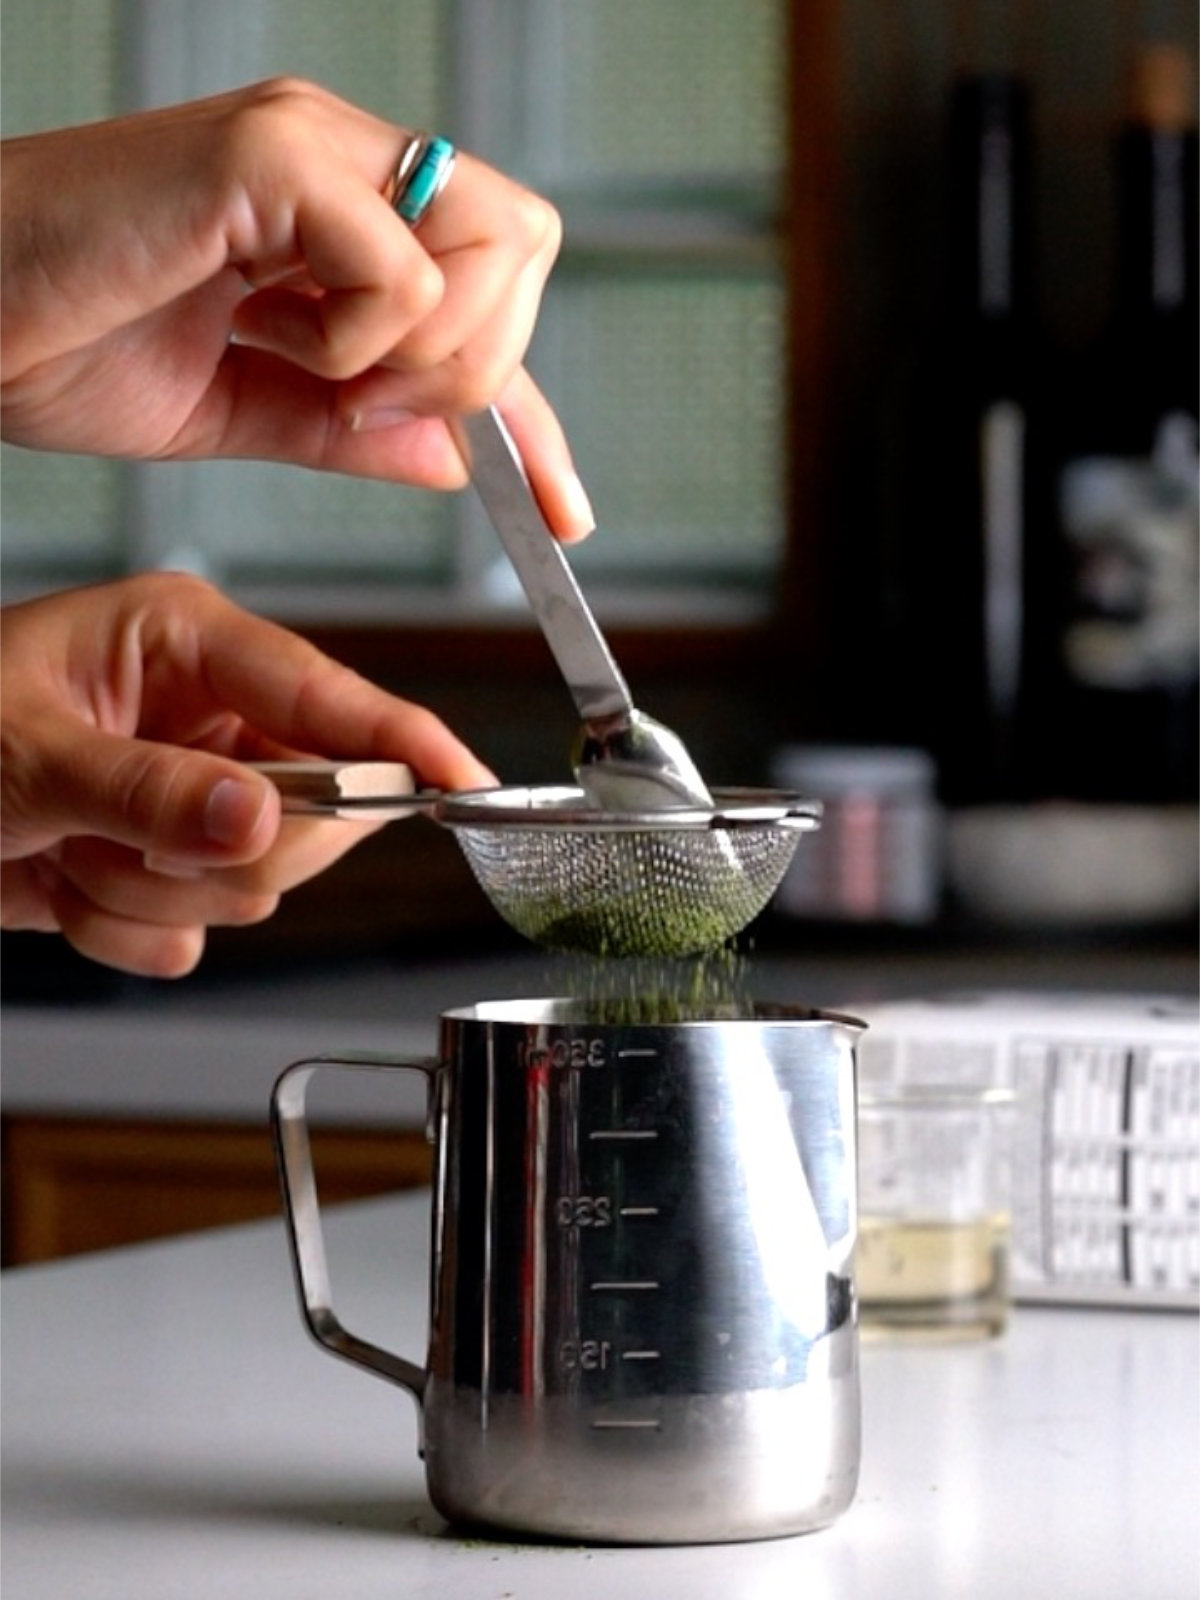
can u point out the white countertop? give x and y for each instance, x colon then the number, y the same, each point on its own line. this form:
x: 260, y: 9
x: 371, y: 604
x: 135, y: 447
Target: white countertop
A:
x: 170, y: 1433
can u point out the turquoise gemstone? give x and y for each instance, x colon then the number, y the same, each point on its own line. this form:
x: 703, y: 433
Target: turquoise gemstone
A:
x: 425, y: 181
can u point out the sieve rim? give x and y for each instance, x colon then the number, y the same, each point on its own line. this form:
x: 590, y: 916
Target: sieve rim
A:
x: 566, y: 807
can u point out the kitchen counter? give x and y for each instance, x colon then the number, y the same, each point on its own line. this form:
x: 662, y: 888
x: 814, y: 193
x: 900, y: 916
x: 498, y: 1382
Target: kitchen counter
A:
x: 170, y: 1433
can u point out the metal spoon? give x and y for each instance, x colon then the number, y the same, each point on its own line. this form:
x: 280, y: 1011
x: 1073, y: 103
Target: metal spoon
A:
x: 624, y: 760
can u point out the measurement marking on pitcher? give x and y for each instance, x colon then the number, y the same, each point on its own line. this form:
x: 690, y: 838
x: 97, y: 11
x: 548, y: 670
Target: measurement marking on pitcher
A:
x: 638, y: 1211
x: 641, y: 1355
x: 621, y: 1284
x: 623, y: 1133
x: 628, y: 1422
x: 625, y: 1055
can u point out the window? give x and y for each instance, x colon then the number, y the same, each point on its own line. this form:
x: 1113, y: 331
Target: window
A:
x: 656, y: 126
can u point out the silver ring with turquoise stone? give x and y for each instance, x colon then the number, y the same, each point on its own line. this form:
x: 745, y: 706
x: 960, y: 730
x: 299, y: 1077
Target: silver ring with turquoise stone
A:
x: 420, y: 175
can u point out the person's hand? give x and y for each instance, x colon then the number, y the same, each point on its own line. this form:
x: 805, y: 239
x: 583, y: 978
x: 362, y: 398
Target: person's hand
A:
x: 127, y: 822
x: 226, y: 278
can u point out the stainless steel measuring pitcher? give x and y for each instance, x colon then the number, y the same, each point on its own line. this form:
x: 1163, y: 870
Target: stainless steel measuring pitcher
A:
x: 642, y: 1324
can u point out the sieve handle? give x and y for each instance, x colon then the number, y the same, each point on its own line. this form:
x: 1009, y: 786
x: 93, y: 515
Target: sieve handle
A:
x: 584, y: 659
x: 364, y: 791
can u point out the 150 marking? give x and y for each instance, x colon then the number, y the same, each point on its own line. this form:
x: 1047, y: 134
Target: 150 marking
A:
x: 598, y: 1355
x: 585, y: 1355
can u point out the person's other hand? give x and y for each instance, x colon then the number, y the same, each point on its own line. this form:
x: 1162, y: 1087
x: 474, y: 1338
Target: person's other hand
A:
x: 226, y: 278
x: 127, y: 822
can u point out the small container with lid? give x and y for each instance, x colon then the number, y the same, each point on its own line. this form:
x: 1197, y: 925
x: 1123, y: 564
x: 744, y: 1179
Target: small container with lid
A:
x: 877, y: 856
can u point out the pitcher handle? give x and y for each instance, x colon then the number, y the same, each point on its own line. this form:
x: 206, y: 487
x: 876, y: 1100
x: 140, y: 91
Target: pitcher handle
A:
x: 302, y: 1212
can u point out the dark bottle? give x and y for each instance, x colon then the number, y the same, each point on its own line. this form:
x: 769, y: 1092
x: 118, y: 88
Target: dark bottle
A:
x: 975, y: 496
x: 1129, y: 636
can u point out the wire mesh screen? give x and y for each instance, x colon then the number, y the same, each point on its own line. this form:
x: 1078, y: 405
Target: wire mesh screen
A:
x: 654, y: 893
x: 261, y: 522
x: 59, y: 65
x: 671, y: 387
x: 60, y: 511
x: 390, y: 58
x: 652, y: 91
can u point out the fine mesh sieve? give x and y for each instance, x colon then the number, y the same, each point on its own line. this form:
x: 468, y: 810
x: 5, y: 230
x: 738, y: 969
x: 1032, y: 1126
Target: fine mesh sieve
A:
x: 656, y: 883
x: 572, y: 876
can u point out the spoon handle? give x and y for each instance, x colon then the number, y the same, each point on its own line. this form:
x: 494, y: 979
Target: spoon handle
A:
x: 584, y: 659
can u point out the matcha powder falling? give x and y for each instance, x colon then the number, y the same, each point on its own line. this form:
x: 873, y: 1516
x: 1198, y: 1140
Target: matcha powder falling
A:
x: 640, y: 991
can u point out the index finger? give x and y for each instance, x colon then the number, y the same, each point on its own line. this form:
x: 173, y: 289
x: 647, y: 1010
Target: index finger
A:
x: 284, y: 688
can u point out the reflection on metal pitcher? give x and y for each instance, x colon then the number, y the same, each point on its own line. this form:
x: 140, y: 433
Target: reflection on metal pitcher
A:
x: 642, y: 1321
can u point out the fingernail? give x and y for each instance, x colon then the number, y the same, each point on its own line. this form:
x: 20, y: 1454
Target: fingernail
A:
x: 579, y: 507
x: 382, y: 417
x: 232, y: 811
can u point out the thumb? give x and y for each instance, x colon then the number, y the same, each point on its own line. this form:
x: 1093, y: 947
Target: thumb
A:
x: 168, y: 802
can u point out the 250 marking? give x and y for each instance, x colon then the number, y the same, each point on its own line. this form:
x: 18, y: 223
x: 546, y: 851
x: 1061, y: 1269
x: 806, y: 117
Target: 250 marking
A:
x: 584, y: 1210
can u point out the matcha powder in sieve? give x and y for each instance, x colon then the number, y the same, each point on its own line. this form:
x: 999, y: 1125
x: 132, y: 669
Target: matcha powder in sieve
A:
x: 629, y: 928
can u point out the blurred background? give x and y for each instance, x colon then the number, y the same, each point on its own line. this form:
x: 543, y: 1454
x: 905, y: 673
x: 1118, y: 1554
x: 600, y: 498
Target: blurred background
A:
x: 875, y: 335
x: 874, y: 332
